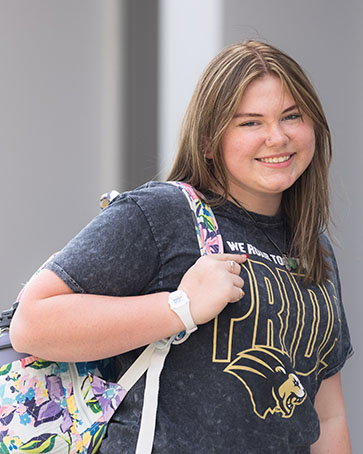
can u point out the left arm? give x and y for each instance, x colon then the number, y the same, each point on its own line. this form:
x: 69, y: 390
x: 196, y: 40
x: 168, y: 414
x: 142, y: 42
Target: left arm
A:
x: 329, y: 404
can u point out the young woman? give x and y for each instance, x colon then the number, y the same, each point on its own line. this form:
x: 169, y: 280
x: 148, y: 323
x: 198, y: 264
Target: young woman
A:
x: 260, y: 375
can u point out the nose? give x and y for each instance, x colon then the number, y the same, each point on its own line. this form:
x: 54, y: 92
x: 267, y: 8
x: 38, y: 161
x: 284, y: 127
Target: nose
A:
x: 276, y: 136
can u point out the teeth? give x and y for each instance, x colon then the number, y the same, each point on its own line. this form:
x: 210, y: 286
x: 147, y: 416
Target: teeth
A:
x: 275, y: 160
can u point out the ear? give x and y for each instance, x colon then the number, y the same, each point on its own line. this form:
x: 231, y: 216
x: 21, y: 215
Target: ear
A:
x: 208, y: 154
x: 206, y: 147
x: 280, y: 369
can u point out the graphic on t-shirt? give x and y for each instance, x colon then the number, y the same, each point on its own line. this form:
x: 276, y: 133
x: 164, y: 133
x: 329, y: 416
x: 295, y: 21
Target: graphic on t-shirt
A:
x: 266, y: 371
x: 250, y: 249
x: 287, y: 331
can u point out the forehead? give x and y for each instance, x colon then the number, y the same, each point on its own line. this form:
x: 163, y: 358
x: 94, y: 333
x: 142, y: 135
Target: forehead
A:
x: 264, y: 93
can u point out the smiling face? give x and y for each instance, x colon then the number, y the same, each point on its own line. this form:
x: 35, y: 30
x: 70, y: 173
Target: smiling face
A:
x: 267, y: 145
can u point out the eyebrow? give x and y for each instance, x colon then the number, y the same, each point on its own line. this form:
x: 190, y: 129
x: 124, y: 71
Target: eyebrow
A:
x: 240, y: 115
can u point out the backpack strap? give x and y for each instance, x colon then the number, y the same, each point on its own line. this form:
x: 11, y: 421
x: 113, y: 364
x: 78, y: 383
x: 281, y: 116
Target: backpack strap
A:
x: 206, y: 227
x: 153, y: 357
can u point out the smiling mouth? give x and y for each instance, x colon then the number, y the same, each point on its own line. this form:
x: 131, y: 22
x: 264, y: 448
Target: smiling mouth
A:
x: 275, y: 160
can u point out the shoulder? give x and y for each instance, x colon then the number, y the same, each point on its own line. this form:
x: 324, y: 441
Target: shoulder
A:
x: 325, y: 241
x: 157, y: 209
x: 168, y: 217
x: 154, y: 194
x: 152, y: 200
x: 331, y: 260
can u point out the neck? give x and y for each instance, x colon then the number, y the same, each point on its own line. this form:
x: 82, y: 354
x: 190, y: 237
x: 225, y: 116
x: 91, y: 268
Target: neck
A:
x: 269, y: 206
x: 266, y: 204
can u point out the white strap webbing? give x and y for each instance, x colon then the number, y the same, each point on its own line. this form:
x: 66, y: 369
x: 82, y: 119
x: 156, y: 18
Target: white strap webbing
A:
x: 148, y: 418
x: 151, y: 360
x: 137, y: 369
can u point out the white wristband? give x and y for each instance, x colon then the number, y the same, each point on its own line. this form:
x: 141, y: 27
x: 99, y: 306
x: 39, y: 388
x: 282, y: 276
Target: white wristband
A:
x: 180, y: 304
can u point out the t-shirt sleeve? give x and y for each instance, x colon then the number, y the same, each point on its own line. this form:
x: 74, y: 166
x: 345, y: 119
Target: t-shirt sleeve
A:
x: 115, y: 254
x: 343, y: 347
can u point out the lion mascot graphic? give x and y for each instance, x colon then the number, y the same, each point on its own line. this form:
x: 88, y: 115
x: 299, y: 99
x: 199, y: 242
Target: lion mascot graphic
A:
x: 270, y: 380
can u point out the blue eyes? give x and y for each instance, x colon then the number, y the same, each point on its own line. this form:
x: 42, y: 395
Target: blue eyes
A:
x: 290, y: 117
x: 249, y: 123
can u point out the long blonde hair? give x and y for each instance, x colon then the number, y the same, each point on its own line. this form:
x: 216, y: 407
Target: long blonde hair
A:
x: 214, y: 102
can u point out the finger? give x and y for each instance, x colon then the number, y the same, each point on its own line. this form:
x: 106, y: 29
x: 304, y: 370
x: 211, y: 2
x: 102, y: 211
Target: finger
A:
x: 239, y: 258
x: 239, y: 295
x: 232, y: 264
x: 238, y: 281
x: 234, y: 267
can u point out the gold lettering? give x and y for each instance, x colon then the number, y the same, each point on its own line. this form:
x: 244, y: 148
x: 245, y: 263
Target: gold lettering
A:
x: 286, y: 306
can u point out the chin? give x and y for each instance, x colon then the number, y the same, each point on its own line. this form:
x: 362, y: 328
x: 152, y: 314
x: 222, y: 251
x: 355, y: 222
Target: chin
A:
x: 279, y: 187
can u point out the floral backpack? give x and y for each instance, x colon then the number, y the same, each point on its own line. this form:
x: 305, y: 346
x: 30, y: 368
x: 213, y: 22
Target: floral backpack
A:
x: 58, y: 407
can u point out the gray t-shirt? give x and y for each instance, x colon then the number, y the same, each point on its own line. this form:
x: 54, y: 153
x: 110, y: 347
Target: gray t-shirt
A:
x: 242, y: 383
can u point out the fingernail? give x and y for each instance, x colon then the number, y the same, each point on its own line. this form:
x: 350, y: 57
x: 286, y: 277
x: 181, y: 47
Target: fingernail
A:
x: 246, y: 255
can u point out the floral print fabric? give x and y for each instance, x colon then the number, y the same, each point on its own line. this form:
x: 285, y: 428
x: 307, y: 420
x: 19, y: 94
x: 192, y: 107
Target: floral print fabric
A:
x: 209, y: 238
x: 51, y: 407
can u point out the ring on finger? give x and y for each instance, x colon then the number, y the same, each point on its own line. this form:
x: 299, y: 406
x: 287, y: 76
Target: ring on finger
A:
x: 232, y: 264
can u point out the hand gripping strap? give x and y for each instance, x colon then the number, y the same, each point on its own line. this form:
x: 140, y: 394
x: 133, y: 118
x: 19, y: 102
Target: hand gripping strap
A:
x: 153, y: 357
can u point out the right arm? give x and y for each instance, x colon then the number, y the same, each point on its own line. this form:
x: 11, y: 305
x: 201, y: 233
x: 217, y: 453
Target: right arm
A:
x: 54, y: 323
